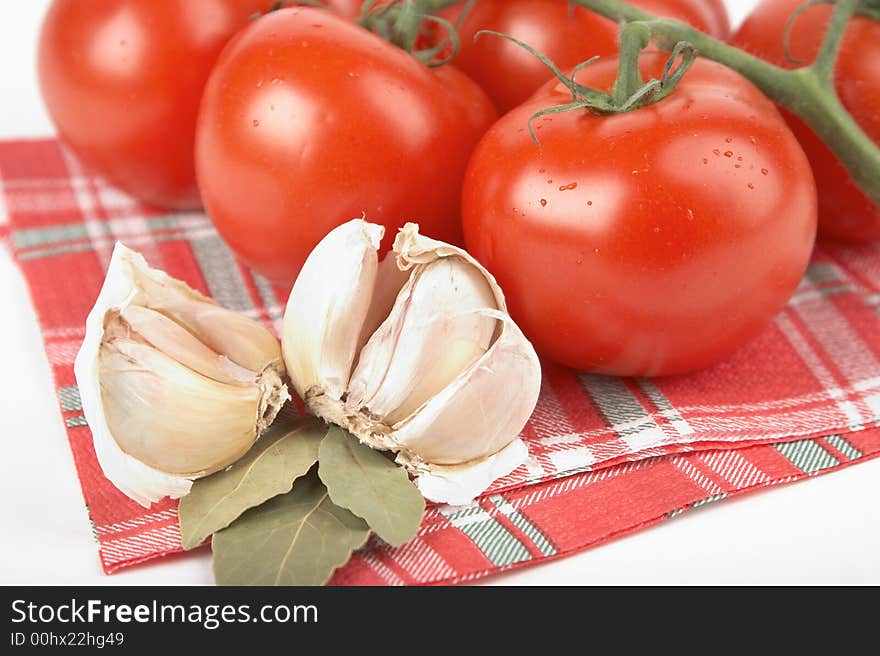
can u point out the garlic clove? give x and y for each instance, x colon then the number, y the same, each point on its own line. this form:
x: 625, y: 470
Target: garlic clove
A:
x: 177, y: 342
x: 434, y: 331
x: 327, y: 309
x: 240, y: 339
x: 481, y: 411
x: 158, y: 399
x: 171, y: 418
x: 389, y: 282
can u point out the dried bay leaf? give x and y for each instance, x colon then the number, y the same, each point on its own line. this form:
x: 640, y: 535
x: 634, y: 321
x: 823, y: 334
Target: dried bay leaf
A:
x: 370, y: 486
x: 285, y: 453
x: 298, y: 538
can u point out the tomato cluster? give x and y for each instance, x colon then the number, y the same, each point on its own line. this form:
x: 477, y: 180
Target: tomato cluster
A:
x: 646, y: 242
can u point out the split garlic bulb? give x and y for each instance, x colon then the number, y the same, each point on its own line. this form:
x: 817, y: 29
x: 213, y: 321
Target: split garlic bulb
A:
x: 415, y: 355
x: 173, y: 386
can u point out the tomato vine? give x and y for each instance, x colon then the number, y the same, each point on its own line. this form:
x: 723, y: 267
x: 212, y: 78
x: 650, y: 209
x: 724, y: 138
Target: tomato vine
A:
x: 807, y: 91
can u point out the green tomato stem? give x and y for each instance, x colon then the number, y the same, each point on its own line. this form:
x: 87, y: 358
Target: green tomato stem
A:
x: 634, y: 37
x: 827, y: 58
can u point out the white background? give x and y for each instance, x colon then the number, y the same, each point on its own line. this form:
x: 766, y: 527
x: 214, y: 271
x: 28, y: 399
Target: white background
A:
x: 824, y: 530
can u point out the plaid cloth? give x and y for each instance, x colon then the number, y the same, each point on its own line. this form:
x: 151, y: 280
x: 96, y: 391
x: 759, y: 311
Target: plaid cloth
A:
x: 607, y: 455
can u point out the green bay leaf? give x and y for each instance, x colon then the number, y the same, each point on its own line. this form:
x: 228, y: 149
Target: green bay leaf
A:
x: 298, y: 538
x: 284, y: 453
x: 370, y: 486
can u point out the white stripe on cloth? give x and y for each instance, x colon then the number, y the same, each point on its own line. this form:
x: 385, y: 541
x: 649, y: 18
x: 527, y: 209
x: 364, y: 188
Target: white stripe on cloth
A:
x: 129, y: 524
x: 143, y: 544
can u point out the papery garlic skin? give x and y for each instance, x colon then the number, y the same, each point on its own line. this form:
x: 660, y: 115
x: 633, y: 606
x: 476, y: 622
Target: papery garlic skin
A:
x: 173, y: 386
x: 447, y: 380
x: 458, y: 487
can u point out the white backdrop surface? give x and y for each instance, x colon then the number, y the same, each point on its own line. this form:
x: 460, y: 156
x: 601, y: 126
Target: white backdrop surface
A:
x: 821, y: 531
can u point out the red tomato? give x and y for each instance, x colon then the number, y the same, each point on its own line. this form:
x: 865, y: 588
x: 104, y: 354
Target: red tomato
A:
x: 309, y: 120
x: 845, y: 212
x: 567, y: 34
x: 647, y: 243
x: 122, y: 81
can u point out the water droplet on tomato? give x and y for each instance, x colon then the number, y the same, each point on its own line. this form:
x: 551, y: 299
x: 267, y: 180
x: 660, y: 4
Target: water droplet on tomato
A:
x: 569, y: 187
x: 716, y: 152
x: 751, y: 186
x: 543, y: 202
x: 256, y: 123
x: 728, y: 153
x: 590, y: 203
x: 729, y: 140
x: 764, y: 171
x: 705, y: 160
x: 259, y: 84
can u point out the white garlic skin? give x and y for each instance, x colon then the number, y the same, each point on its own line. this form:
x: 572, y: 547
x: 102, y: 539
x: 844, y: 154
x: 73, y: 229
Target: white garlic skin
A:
x: 447, y: 380
x: 173, y: 386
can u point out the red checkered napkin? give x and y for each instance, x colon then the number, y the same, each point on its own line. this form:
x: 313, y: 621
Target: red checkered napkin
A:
x: 607, y: 455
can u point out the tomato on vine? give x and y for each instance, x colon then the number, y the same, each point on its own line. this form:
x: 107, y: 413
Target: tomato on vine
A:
x: 647, y: 242
x: 845, y: 211
x: 566, y: 33
x: 309, y: 120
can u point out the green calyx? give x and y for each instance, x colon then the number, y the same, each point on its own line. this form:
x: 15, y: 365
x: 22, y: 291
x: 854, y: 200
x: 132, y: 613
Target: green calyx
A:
x: 401, y: 22
x: 630, y: 90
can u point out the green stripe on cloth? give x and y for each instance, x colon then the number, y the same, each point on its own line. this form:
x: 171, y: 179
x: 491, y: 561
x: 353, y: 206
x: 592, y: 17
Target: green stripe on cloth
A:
x: 807, y: 455
x: 531, y: 531
x: 708, y: 500
x: 623, y: 411
x: 267, y: 295
x: 831, y: 291
x: 32, y: 237
x: 495, y: 541
x: 69, y: 398
x: 819, y: 272
x: 41, y: 253
x: 844, y: 447
x: 73, y: 422
x: 221, y: 272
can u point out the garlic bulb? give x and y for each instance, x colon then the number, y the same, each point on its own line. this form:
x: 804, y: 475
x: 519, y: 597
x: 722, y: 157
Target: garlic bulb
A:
x: 415, y: 354
x: 173, y: 386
